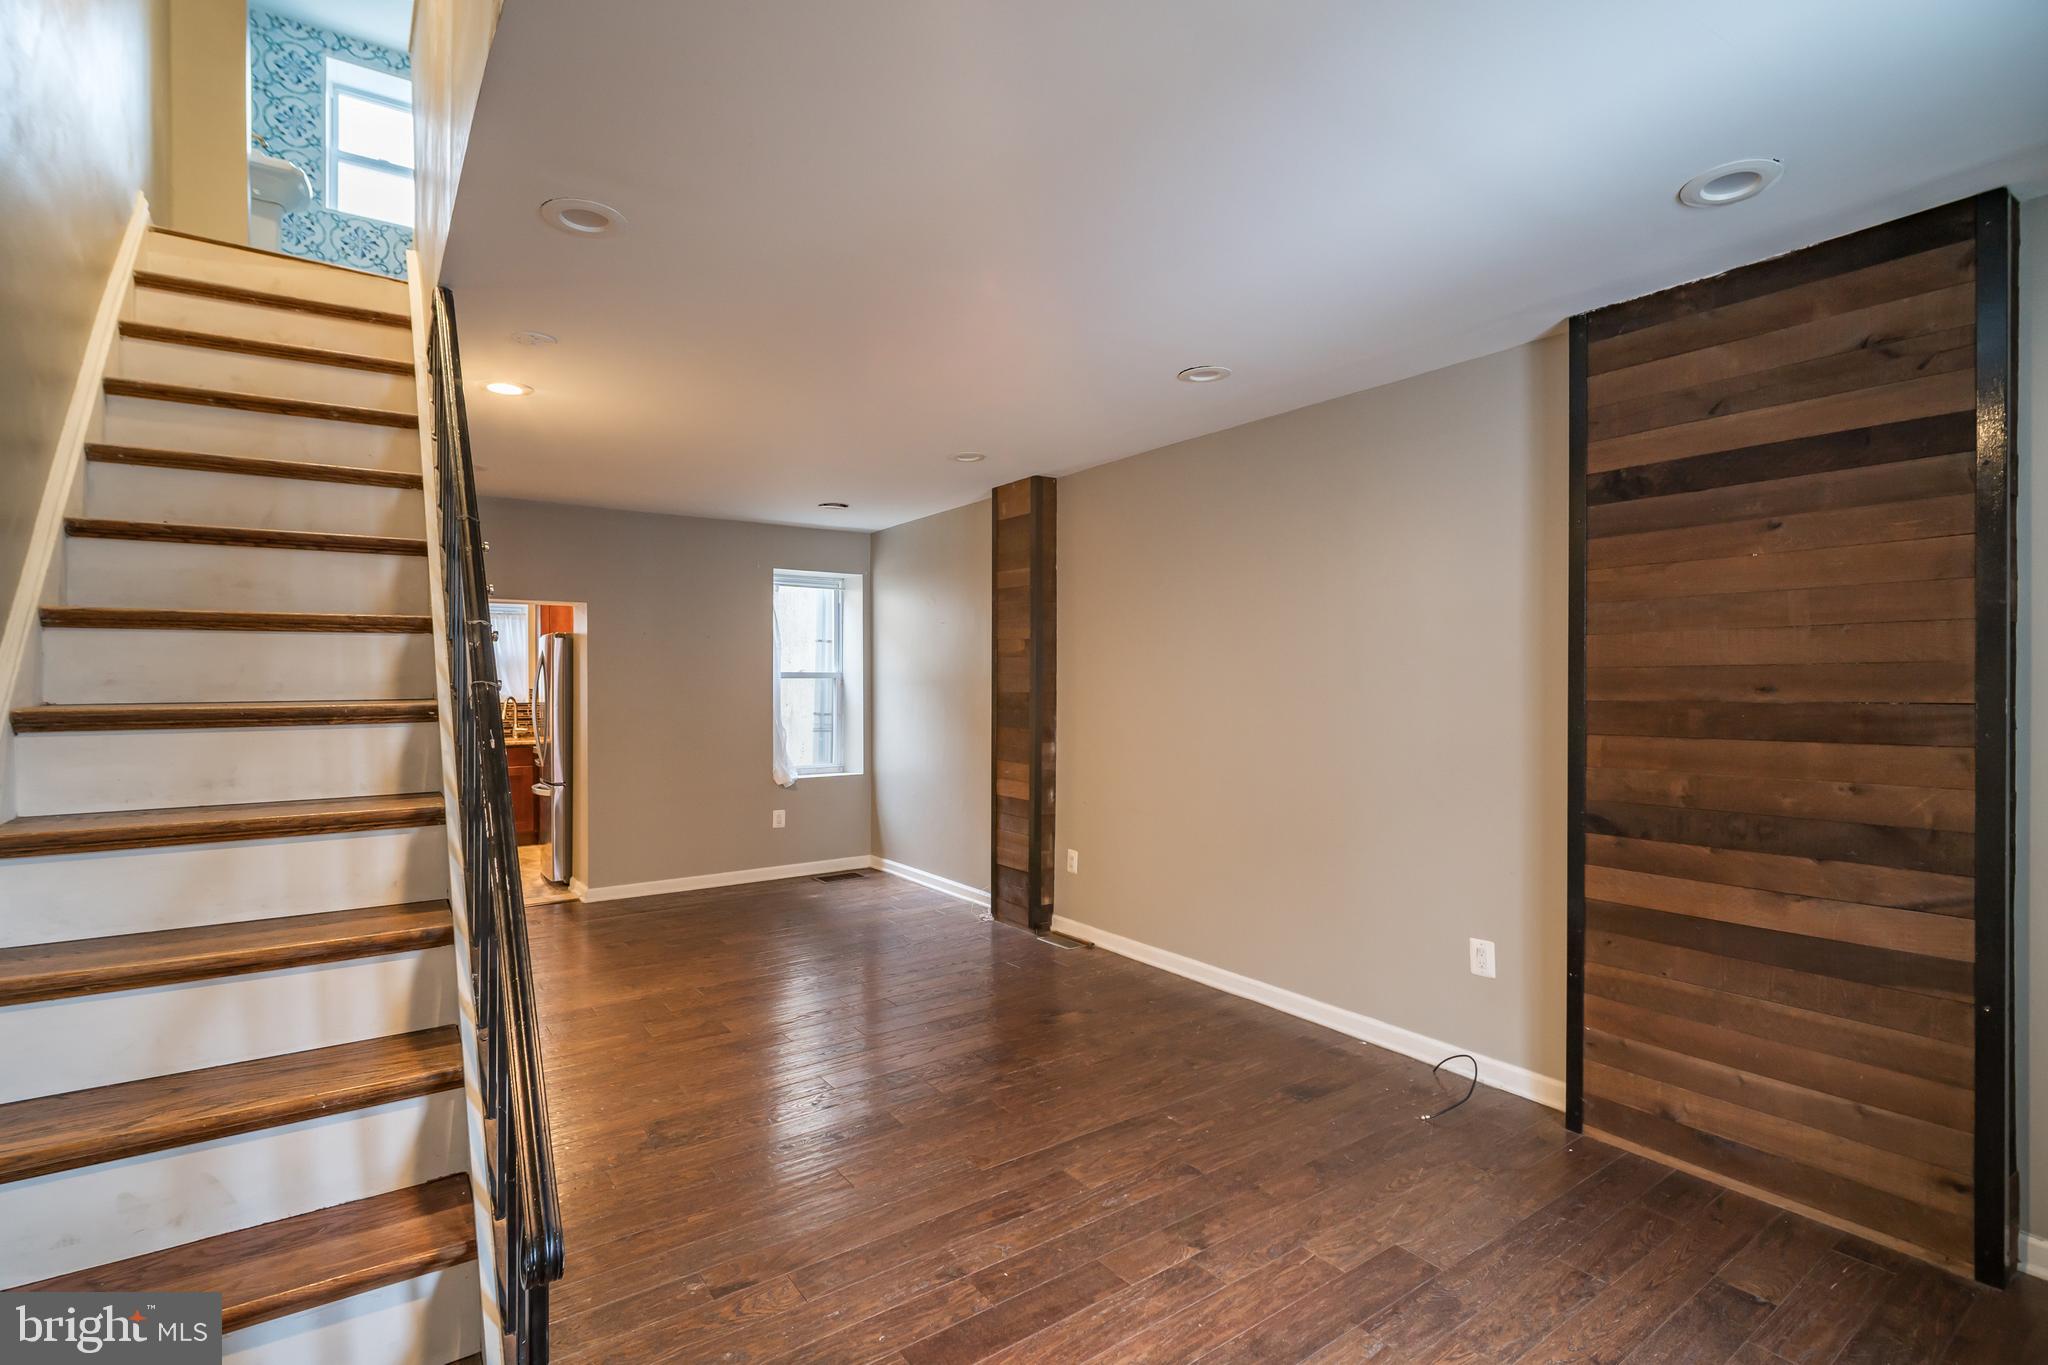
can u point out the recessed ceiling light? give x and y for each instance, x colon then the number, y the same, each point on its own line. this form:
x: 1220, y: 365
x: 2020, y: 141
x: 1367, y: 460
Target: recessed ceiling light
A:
x: 534, y: 338
x: 1731, y: 183
x: 1203, y: 374
x: 581, y: 217
x: 835, y: 506
x: 510, y: 390
x: 970, y: 458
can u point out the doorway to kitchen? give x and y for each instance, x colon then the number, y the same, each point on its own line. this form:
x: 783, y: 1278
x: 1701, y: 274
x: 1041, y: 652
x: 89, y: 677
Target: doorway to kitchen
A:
x: 540, y: 653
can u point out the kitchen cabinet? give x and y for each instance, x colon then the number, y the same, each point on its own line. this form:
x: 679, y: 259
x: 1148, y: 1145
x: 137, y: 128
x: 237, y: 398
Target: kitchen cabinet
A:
x: 519, y: 772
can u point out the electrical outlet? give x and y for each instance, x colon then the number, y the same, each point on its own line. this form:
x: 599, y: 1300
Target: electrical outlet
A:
x: 778, y: 819
x: 1073, y: 860
x: 1482, y: 957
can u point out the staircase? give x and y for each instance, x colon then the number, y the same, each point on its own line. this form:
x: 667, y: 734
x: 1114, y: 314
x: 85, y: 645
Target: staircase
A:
x: 228, y: 975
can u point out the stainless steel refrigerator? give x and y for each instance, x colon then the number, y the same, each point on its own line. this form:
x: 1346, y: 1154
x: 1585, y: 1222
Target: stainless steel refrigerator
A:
x: 553, y: 735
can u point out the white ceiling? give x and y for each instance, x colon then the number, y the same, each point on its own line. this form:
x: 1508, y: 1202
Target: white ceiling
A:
x: 864, y: 237
x: 387, y: 23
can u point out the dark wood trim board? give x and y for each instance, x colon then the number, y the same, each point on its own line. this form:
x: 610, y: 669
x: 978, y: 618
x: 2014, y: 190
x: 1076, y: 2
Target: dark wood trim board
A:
x: 1024, y: 684
x: 1792, y: 614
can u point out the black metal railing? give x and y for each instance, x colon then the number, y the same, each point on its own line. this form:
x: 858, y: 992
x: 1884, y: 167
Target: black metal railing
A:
x: 520, y: 1163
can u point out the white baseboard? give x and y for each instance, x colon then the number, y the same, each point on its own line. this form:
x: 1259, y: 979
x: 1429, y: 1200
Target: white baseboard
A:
x: 1516, y: 1080
x: 2034, y: 1255
x: 957, y: 890
x: 629, y: 890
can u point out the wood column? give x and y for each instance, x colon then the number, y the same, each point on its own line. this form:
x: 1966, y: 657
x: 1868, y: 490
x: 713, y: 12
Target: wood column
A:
x: 1024, y: 611
x: 1790, y: 864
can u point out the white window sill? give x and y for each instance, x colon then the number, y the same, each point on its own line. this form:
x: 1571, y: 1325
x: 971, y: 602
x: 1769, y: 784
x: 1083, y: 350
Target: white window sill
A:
x: 812, y: 777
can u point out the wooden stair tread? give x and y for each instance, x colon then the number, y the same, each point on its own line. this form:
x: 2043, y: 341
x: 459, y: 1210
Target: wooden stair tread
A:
x: 216, y: 715
x: 123, y: 962
x: 115, y: 387
x: 275, y: 1269
x: 36, y: 835
x: 113, y: 1122
x: 202, y: 462
x: 274, y: 350
x: 247, y: 537
x: 282, y: 256
x: 263, y: 298
x: 170, y: 618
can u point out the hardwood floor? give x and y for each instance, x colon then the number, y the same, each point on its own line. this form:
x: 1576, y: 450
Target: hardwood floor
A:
x: 850, y: 1121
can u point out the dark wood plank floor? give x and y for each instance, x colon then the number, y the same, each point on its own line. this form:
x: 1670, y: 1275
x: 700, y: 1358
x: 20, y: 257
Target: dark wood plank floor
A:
x: 850, y: 1121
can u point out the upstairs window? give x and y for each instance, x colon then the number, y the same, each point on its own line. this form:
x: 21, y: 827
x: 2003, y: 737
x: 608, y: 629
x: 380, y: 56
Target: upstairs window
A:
x: 369, y: 142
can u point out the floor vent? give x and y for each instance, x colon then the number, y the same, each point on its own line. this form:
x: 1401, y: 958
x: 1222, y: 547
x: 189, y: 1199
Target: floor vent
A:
x: 838, y: 876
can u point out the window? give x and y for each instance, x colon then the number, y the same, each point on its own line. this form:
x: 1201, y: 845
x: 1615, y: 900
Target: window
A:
x: 810, y: 618
x: 512, y: 632
x: 817, y: 620
x: 369, y: 142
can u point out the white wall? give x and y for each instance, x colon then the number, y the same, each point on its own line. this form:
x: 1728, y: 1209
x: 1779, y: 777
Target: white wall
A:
x: 208, y: 116
x: 451, y: 41
x: 80, y: 90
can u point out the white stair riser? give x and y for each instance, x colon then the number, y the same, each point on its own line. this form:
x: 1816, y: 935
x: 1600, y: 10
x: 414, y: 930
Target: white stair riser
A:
x: 167, y: 308
x: 431, y: 1320
x: 72, y: 773
x: 91, y: 1216
x: 101, y: 572
x: 127, y: 492
x: 265, y: 435
x: 233, y: 665
x: 168, y: 255
x: 165, y: 362
x: 139, y: 890
x: 90, y: 1040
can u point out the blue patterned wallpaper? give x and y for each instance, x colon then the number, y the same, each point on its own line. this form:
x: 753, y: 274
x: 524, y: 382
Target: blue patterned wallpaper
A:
x: 288, y: 110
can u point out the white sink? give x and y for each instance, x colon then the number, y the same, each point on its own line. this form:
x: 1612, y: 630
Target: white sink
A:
x: 273, y: 180
x: 276, y: 187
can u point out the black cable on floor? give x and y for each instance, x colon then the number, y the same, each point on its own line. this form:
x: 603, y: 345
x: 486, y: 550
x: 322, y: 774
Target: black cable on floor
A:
x: 1469, y: 1090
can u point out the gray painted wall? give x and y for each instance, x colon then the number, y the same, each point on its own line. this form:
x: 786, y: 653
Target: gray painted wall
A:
x: 79, y: 87
x: 932, y: 658
x: 677, y: 659
x: 1313, y: 700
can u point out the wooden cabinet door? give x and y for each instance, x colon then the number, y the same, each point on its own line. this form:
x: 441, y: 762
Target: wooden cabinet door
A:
x: 519, y: 772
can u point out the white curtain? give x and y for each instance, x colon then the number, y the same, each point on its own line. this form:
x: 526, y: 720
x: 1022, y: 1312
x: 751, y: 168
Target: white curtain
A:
x: 511, y: 628
x: 782, y: 769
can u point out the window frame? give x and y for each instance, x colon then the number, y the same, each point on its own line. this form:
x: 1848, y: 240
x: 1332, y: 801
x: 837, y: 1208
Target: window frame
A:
x: 372, y: 86
x: 532, y: 650
x: 841, y: 740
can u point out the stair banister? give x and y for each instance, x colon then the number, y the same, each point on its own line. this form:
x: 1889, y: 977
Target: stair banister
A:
x: 520, y: 1161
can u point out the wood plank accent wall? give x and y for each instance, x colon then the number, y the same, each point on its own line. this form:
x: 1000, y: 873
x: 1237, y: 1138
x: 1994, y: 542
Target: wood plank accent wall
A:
x: 1791, y: 773
x: 1025, y: 675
